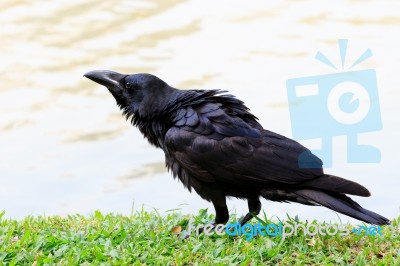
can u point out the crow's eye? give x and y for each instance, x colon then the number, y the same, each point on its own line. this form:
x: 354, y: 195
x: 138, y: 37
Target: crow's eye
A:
x: 128, y: 85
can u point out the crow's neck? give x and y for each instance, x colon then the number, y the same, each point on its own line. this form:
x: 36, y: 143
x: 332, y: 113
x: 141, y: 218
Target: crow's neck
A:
x: 155, y: 125
x: 153, y: 129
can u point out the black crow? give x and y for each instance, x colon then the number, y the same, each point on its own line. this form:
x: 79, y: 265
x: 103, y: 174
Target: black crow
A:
x: 215, y: 146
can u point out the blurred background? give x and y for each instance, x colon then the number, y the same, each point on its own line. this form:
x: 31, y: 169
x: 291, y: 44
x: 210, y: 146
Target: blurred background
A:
x: 65, y: 147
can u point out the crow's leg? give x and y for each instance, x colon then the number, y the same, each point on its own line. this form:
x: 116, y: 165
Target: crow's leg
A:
x: 254, y: 209
x: 212, y: 192
x: 221, y: 210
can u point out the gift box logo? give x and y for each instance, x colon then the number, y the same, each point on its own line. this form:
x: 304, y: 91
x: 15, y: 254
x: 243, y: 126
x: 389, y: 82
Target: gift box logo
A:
x: 344, y: 103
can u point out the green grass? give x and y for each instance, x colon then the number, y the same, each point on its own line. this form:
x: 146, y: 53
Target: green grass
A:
x: 147, y: 238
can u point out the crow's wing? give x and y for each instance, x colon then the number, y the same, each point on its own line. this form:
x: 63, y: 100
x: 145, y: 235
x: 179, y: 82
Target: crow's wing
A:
x: 214, y: 146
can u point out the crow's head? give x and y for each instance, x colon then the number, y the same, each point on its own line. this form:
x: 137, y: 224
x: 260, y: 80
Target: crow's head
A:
x: 138, y: 95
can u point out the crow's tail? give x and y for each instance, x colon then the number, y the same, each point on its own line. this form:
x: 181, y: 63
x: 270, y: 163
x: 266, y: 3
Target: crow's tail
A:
x: 337, y: 184
x: 341, y: 203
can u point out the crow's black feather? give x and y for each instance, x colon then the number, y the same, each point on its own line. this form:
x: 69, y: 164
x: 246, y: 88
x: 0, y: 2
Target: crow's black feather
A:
x: 215, y: 146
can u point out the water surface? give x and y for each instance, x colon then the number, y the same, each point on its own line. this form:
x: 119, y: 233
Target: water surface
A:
x: 65, y: 148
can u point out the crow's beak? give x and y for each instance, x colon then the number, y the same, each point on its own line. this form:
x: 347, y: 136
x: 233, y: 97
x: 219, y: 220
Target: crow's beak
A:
x: 112, y: 80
